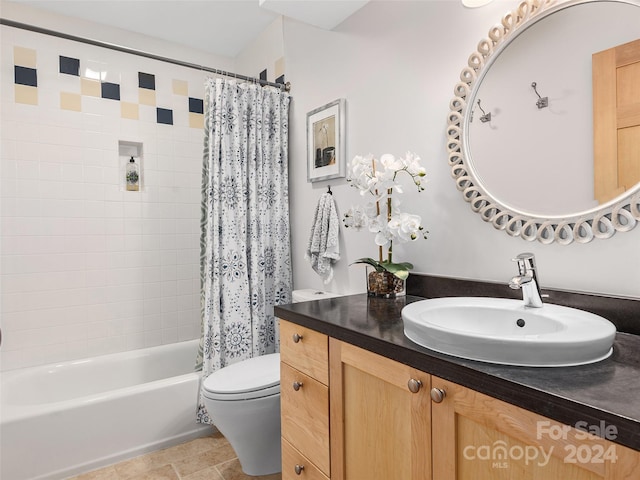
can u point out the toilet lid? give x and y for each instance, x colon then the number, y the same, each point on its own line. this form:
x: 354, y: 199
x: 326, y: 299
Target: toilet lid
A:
x: 253, y: 378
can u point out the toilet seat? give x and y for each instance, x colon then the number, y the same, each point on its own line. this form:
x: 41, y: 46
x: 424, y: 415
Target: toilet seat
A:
x: 253, y: 378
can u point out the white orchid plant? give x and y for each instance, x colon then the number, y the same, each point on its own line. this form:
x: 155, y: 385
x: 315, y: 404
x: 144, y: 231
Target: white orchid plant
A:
x: 382, y: 215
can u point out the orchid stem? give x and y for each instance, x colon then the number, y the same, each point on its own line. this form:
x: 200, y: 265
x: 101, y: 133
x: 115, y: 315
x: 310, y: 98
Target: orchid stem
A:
x: 390, y: 251
x: 373, y: 170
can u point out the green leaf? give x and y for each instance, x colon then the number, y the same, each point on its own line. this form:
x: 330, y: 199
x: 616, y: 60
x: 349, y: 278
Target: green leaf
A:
x: 400, y: 270
x: 370, y: 261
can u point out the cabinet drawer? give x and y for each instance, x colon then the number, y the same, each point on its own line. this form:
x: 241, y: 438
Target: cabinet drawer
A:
x: 292, y: 460
x: 305, y: 415
x: 308, y: 351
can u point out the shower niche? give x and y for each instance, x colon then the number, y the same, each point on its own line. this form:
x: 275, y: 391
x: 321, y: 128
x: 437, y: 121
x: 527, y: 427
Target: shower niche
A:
x: 130, y: 163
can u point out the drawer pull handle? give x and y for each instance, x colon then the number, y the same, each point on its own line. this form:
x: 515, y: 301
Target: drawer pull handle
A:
x: 438, y: 394
x: 296, y: 337
x: 297, y: 386
x: 298, y: 469
x: 414, y: 385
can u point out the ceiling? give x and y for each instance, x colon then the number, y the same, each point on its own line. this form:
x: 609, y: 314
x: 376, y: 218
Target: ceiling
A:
x: 222, y: 27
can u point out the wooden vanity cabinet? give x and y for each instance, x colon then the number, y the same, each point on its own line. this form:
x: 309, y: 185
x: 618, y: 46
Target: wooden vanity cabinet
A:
x: 361, y: 416
x: 477, y: 437
x: 304, y: 398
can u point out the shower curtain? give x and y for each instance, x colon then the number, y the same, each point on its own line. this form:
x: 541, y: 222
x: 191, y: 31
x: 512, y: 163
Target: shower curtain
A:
x: 245, y: 266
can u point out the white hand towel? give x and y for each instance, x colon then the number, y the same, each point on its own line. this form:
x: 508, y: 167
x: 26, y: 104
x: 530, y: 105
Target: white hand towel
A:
x: 323, y: 249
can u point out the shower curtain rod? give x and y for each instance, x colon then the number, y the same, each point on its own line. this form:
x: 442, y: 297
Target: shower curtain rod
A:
x: 140, y: 53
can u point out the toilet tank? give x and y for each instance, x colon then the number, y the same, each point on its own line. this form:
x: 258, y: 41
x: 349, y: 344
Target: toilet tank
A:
x: 308, y: 294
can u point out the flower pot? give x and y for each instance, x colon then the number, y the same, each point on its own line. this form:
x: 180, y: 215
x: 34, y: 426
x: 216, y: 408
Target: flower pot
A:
x: 384, y: 284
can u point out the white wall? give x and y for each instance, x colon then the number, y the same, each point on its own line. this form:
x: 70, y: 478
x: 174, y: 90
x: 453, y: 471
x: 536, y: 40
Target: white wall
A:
x: 265, y: 52
x: 396, y: 63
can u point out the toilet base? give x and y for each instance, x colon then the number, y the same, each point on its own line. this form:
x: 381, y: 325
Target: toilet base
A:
x: 253, y: 431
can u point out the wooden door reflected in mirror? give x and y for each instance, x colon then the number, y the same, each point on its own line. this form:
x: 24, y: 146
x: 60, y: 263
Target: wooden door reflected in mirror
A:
x: 616, y: 120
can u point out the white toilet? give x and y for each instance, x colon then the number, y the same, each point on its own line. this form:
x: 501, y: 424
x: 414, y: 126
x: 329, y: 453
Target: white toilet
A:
x: 243, y: 400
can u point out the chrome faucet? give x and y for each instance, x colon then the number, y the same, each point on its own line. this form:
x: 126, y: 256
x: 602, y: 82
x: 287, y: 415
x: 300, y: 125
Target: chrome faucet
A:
x: 527, y: 280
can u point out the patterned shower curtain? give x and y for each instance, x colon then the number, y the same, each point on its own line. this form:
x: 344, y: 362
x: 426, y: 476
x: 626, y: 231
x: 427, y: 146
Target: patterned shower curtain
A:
x: 245, y: 266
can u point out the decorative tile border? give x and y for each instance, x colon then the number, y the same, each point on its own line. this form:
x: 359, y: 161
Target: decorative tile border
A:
x: 26, y: 89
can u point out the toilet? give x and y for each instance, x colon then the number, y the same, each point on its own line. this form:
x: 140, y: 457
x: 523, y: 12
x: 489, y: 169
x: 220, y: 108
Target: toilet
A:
x: 243, y: 401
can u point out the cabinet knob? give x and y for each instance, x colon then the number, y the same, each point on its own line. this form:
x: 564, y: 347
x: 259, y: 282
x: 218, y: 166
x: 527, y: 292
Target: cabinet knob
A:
x: 414, y: 385
x: 297, y: 386
x: 298, y: 469
x: 296, y: 337
x: 438, y: 394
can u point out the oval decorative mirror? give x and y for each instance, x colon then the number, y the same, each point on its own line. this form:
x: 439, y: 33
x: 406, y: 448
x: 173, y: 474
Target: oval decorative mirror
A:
x: 544, y: 129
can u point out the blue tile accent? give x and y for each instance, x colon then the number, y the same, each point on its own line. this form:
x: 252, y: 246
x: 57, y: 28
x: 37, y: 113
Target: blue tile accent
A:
x: 164, y: 115
x: 263, y: 74
x: 25, y: 76
x: 146, y: 80
x: 70, y: 66
x: 196, y: 105
x: 280, y: 79
x: 110, y: 91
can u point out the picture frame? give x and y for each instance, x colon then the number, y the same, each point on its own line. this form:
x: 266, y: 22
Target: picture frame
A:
x: 326, y: 134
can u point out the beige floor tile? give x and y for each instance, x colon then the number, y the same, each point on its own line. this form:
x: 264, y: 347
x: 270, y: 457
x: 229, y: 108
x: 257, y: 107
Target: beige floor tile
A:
x: 202, y: 461
x: 233, y: 471
x: 139, y: 465
x: 168, y: 455
x: 163, y: 473
x: 210, y: 473
x: 200, y: 445
x: 107, y: 473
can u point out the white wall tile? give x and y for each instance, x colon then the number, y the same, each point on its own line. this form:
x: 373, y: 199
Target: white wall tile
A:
x: 87, y: 267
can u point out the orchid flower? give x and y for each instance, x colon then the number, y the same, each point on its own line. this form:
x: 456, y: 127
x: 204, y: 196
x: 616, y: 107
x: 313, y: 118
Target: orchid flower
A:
x: 380, y: 178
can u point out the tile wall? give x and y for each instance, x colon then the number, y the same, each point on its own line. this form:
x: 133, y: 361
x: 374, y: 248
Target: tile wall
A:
x: 88, y: 268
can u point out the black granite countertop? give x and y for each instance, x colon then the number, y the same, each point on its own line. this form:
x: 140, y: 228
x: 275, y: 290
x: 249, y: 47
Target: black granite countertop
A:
x: 607, y: 391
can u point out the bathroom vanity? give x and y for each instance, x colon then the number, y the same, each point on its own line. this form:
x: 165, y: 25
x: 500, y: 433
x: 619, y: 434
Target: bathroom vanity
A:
x: 361, y: 401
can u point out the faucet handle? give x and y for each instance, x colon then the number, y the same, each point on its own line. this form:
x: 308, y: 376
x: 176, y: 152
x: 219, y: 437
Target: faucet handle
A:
x: 526, y: 262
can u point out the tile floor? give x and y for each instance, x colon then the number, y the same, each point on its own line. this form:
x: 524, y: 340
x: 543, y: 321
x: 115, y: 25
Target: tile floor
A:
x: 206, y: 458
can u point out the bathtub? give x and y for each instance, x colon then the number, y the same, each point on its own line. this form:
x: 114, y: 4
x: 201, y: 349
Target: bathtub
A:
x: 62, y: 419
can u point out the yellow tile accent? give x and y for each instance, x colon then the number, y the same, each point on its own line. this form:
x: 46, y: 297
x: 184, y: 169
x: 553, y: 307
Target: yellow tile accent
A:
x: 279, y: 67
x: 71, y: 101
x: 147, y: 97
x: 24, y: 57
x: 181, y: 87
x: 26, y: 94
x: 91, y: 88
x: 196, y: 120
x: 129, y: 110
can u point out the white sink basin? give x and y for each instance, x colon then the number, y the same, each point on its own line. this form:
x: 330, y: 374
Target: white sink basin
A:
x: 504, y: 331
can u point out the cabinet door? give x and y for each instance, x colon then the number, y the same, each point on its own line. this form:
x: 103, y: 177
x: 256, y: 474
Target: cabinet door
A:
x: 305, y: 415
x: 380, y: 430
x: 477, y: 437
x: 305, y: 349
x: 296, y: 466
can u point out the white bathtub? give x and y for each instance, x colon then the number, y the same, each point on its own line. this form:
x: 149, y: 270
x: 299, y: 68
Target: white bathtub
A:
x: 63, y: 419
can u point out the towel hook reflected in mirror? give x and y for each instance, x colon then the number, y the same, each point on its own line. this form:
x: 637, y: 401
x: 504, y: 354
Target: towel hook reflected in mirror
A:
x: 486, y: 117
x: 542, y: 101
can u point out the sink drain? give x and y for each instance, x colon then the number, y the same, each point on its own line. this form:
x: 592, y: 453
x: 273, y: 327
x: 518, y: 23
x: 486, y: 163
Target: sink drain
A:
x: 520, y: 322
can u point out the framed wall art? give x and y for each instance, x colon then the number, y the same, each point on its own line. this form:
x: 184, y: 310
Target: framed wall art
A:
x: 326, y: 132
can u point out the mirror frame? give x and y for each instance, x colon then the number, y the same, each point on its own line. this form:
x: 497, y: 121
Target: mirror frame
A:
x: 618, y: 215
